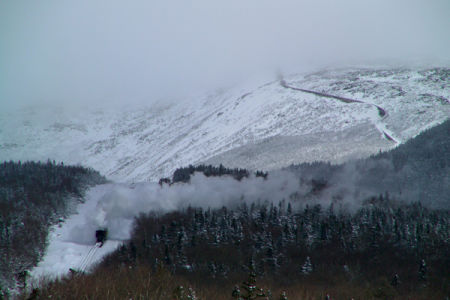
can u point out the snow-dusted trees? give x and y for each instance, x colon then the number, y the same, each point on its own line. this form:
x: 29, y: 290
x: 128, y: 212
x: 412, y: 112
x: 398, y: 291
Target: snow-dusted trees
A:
x: 33, y: 196
x: 218, y: 243
x: 423, y: 271
x: 184, y: 174
x: 416, y: 171
x: 307, y: 267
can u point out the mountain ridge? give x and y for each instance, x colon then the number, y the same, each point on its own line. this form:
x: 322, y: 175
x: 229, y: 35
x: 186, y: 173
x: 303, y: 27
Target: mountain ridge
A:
x: 142, y: 144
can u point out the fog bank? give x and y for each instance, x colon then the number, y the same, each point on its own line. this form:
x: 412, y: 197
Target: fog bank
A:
x: 150, y: 51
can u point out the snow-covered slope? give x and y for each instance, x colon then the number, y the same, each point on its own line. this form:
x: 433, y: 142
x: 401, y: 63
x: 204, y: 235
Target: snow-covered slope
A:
x: 72, y: 243
x: 266, y: 127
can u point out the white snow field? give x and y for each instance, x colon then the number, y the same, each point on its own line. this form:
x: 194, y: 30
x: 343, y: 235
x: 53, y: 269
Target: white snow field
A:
x: 260, y: 127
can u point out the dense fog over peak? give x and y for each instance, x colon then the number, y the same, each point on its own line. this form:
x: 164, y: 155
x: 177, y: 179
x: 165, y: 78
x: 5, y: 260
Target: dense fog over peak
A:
x: 144, y: 51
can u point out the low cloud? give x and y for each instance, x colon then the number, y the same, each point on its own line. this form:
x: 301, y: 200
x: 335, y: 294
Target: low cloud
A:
x: 143, y: 51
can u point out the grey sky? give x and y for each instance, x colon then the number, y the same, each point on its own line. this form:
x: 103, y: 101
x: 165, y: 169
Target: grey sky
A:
x: 108, y: 51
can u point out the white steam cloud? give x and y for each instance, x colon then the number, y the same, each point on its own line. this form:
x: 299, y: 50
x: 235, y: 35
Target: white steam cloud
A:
x: 114, y: 206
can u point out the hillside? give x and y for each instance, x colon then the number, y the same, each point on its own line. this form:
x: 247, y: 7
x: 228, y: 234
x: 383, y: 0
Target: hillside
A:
x: 416, y: 171
x: 34, y: 196
x: 311, y: 251
x: 256, y: 127
x: 318, y: 226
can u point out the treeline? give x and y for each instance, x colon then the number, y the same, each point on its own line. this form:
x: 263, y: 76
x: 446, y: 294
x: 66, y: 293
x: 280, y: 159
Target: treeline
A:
x: 417, y: 171
x: 33, y: 196
x: 184, y: 174
x: 405, y: 245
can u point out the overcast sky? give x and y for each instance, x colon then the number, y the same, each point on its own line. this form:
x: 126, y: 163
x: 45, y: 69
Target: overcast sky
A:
x: 102, y: 51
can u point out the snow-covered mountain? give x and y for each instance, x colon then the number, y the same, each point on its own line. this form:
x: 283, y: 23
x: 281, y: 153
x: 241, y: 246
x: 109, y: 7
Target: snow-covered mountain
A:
x: 264, y: 127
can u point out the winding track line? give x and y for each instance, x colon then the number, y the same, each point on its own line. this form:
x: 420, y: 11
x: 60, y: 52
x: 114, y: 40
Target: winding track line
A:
x: 381, y: 111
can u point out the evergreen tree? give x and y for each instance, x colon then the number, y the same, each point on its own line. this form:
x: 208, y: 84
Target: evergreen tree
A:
x: 395, y: 281
x: 180, y: 293
x: 307, y: 267
x: 423, y: 270
x: 251, y: 291
x: 236, y: 293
